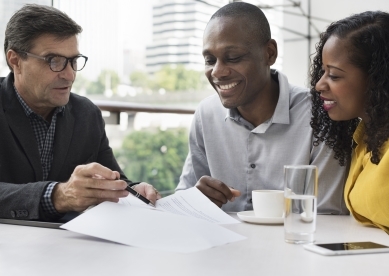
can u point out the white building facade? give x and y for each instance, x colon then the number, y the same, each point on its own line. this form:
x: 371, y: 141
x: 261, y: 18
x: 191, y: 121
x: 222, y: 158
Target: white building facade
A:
x: 178, y: 27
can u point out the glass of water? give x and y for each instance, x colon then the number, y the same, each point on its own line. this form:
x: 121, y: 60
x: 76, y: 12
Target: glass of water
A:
x: 300, y: 182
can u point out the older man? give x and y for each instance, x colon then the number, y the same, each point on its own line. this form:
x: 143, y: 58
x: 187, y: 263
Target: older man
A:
x: 54, y: 152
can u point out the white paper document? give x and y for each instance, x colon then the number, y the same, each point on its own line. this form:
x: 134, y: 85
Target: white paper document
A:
x: 183, y: 222
x: 190, y: 202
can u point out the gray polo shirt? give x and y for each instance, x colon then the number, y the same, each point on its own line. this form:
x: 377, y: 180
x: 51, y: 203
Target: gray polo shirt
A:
x: 227, y: 147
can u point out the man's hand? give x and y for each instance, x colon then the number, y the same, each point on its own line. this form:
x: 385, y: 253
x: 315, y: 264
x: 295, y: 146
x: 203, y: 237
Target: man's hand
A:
x: 148, y: 191
x: 218, y: 192
x: 89, y: 185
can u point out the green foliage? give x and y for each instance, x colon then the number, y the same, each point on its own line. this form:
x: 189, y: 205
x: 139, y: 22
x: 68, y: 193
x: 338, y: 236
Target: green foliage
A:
x: 171, y: 78
x: 109, y: 76
x: 156, y: 158
x: 178, y: 78
x: 95, y: 88
x: 166, y: 78
x: 140, y: 79
x: 188, y: 79
x: 81, y: 83
x: 98, y: 86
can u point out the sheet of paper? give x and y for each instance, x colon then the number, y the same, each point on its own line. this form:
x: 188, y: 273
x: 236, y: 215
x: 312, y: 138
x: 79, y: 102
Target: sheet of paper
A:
x: 190, y: 202
x: 150, y: 229
x: 131, y: 200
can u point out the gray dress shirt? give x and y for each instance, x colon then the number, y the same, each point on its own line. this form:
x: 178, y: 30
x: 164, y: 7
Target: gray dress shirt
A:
x: 227, y: 147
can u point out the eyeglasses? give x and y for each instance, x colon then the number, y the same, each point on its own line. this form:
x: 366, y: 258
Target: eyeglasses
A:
x: 58, y: 63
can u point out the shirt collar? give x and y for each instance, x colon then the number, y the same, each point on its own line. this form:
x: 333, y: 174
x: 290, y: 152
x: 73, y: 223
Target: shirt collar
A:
x: 234, y: 115
x: 281, y: 113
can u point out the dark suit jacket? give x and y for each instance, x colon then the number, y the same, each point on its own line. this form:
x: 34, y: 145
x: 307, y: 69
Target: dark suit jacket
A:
x: 80, y: 138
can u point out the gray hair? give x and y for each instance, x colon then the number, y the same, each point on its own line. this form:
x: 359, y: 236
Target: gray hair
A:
x: 33, y: 21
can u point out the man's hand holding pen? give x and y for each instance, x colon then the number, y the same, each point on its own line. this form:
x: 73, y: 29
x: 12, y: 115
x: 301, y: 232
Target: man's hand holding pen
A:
x: 147, y: 192
x: 92, y: 184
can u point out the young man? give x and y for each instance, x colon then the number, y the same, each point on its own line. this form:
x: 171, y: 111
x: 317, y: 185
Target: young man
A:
x: 54, y: 153
x: 242, y: 137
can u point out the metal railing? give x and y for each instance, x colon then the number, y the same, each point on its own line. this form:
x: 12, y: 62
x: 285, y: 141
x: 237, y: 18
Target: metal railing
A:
x: 115, y: 108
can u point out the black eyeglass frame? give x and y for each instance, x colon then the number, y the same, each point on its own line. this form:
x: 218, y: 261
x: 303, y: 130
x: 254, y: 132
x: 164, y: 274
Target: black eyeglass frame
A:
x: 50, y: 57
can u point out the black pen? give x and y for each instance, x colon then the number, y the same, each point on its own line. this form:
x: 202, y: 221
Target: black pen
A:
x: 136, y: 194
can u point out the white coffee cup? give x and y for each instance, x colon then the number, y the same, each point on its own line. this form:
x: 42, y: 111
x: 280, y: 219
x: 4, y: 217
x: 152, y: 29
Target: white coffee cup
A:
x: 268, y: 203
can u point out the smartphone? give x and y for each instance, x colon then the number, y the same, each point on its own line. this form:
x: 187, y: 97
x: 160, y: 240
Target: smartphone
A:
x: 347, y: 248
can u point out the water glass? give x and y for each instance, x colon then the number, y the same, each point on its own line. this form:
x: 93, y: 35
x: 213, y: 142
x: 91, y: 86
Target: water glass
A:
x: 300, y: 192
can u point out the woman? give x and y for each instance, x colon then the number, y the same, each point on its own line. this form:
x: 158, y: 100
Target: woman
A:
x: 350, y: 113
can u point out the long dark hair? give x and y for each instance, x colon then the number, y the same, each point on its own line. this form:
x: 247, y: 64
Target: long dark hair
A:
x: 367, y: 34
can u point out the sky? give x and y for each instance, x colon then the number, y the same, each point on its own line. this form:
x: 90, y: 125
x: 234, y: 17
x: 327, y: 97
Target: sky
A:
x: 109, y: 27
x: 134, y: 16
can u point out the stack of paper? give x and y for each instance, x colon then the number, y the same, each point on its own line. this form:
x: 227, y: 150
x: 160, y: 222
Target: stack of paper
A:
x: 183, y: 222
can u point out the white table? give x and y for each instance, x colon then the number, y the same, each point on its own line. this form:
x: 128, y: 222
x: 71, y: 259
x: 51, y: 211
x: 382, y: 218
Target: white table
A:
x: 41, y: 251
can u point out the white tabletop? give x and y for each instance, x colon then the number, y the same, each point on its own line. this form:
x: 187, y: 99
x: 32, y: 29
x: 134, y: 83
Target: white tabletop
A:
x: 28, y: 250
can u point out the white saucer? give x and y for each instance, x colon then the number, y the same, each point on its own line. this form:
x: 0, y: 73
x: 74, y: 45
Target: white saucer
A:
x: 249, y: 216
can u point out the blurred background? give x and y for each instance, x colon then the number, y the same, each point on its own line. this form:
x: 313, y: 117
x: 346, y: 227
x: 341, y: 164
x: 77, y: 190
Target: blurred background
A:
x: 145, y: 68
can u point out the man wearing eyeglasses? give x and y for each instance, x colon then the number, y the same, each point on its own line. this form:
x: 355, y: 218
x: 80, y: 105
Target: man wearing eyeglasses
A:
x: 54, y: 153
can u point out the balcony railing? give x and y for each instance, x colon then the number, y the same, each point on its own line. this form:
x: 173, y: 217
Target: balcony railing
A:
x: 115, y: 108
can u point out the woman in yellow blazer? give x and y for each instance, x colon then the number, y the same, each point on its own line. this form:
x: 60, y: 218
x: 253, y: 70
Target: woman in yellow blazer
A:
x: 350, y: 94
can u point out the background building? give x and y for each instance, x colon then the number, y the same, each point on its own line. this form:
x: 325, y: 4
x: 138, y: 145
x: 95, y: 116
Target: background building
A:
x: 116, y: 32
x: 7, y: 9
x: 178, y: 27
x: 103, y: 36
x: 123, y: 36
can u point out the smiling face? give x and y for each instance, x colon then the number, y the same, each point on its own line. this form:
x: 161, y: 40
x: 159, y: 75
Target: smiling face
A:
x: 236, y: 65
x: 343, y: 85
x: 41, y: 88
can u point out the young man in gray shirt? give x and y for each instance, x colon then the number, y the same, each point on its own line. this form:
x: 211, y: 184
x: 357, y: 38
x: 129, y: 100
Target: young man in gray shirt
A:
x: 242, y: 137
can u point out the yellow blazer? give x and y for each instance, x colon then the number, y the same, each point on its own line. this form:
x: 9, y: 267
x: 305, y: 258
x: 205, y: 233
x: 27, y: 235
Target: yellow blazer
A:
x: 367, y: 187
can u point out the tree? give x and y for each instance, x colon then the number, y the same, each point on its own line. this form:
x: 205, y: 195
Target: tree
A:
x: 95, y: 87
x: 106, y: 78
x: 156, y: 158
x: 188, y: 79
x: 140, y: 79
x: 171, y: 78
x: 80, y: 84
x: 166, y: 78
